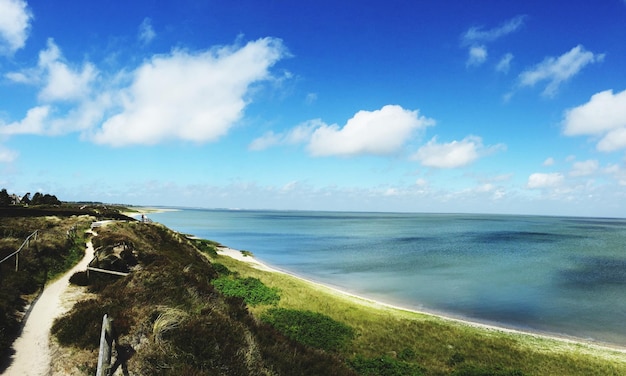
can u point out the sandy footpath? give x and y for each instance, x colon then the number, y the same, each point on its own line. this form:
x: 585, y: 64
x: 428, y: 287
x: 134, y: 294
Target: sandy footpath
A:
x: 238, y: 255
x: 32, y: 348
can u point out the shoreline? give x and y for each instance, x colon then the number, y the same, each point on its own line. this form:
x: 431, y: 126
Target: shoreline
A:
x: 260, y: 265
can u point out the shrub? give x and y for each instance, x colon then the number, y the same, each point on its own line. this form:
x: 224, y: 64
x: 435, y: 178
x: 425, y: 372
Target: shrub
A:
x: 384, y: 366
x: 251, y: 290
x: 473, y: 370
x: 310, y: 328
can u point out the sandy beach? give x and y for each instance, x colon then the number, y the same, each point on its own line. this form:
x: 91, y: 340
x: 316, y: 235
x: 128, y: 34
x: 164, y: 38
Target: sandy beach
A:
x: 238, y: 255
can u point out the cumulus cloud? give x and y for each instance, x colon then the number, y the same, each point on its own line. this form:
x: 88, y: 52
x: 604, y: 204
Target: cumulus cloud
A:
x: 33, y: 123
x: 603, y: 116
x: 453, y: 154
x: 542, y: 180
x: 556, y: 70
x: 189, y: 96
x: 195, y: 96
x: 377, y: 132
x: 548, y: 162
x: 146, y: 31
x: 59, y: 81
x: 15, y: 18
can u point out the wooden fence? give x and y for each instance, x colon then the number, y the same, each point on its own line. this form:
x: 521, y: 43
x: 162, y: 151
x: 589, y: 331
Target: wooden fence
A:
x: 26, y: 243
x: 106, y: 347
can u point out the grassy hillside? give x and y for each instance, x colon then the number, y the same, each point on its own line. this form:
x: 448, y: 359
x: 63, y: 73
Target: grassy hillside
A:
x: 187, y: 311
x: 174, y: 318
x: 59, y: 245
x: 395, y: 338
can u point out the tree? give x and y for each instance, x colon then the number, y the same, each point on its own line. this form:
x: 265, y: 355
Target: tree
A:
x: 5, y: 199
x: 26, y: 199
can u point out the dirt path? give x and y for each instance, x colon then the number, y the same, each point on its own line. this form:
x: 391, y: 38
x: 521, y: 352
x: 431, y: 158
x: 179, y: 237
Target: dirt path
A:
x: 32, y: 348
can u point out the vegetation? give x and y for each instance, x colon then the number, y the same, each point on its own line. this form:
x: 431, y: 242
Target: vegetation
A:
x: 59, y: 245
x: 170, y: 311
x: 186, y: 310
x: 310, y: 328
x: 251, y: 290
x: 392, y: 340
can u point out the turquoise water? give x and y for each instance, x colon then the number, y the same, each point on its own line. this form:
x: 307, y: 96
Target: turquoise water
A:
x: 564, y: 276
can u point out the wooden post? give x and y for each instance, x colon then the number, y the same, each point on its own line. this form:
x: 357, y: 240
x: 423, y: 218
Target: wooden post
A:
x: 106, y: 343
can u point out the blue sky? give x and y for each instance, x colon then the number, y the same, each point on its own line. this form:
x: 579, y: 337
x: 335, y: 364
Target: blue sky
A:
x: 447, y: 106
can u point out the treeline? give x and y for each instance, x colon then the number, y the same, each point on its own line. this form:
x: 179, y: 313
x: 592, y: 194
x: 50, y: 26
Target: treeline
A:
x: 7, y: 199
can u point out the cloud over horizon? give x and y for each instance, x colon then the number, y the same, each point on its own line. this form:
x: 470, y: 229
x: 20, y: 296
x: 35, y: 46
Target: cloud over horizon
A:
x: 378, y: 132
x: 603, y: 117
x: 453, y: 154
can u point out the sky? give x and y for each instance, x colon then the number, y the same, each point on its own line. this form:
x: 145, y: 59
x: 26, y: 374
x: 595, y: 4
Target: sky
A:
x: 512, y: 107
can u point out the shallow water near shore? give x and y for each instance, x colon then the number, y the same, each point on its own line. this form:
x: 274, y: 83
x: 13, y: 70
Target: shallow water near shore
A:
x: 558, y: 275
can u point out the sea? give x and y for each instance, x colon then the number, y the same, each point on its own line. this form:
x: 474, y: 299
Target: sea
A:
x: 562, y: 276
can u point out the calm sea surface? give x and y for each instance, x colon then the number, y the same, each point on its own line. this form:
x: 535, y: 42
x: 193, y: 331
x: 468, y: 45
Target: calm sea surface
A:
x: 550, y: 274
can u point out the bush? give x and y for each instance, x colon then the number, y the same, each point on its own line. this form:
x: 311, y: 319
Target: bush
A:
x: 472, y: 370
x: 384, y: 366
x: 310, y: 328
x: 251, y: 290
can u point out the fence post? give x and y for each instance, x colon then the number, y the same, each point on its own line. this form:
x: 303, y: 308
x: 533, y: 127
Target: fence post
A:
x: 106, y: 342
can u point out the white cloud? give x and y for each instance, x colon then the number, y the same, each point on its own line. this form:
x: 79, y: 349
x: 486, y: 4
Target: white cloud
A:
x: 475, y: 38
x: 189, y: 96
x: 297, y: 135
x: 558, y: 70
x: 541, y: 180
x: 477, y: 56
x: 604, y: 115
x: 6, y: 155
x: 453, y: 154
x: 478, y: 35
x: 549, y: 162
x: 585, y: 168
x: 60, y: 81
x: 33, y: 123
x: 504, y: 64
x: 196, y: 96
x: 377, y: 132
x: 15, y: 18
x: 146, y: 31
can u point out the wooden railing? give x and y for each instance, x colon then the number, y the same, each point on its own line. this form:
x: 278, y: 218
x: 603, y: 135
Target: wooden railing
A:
x: 17, y: 253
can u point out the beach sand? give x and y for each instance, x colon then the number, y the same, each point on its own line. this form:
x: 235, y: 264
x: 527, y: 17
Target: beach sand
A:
x: 567, y: 341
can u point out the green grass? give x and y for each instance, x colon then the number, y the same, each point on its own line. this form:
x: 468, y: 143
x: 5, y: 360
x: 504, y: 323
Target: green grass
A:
x: 251, y: 290
x: 310, y: 328
x: 435, y: 345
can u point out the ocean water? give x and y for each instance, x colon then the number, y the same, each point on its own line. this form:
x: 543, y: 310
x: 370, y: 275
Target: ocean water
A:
x: 557, y: 275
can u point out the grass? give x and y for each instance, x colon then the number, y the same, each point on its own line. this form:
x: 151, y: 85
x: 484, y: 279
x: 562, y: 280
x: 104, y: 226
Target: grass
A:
x: 434, y: 345
x: 169, y: 310
x: 56, y: 250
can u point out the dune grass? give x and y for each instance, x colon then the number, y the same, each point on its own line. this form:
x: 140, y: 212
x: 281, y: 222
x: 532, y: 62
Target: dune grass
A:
x: 438, y: 346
